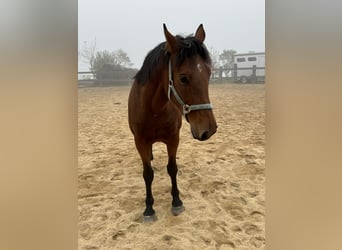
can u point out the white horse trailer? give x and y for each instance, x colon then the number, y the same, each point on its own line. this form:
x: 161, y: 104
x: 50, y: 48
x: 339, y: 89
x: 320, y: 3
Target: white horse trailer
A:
x: 249, y: 67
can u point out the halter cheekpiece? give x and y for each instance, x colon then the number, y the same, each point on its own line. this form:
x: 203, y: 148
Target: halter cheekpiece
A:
x: 186, y: 107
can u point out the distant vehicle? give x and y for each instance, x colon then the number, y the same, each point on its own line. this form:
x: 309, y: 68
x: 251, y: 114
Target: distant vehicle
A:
x: 249, y: 67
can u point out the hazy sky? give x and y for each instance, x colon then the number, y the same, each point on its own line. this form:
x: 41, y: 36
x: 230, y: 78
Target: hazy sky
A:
x: 137, y: 26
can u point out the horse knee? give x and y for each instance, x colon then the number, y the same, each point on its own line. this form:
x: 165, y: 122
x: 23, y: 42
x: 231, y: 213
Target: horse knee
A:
x: 172, y: 169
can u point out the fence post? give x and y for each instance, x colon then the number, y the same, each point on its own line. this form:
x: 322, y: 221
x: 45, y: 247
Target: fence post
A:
x: 254, y: 74
x: 235, y: 72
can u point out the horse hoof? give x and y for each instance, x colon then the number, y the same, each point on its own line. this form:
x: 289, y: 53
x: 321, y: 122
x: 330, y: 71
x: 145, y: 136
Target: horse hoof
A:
x: 150, y: 218
x: 177, y: 210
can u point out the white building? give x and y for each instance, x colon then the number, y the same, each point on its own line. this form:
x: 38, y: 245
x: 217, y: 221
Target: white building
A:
x: 249, y: 67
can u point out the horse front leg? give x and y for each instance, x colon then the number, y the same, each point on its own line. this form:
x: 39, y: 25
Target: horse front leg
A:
x: 148, y: 178
x: 172, y: 169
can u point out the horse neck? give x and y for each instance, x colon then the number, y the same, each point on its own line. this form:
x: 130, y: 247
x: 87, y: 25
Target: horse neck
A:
x: 159, y: 92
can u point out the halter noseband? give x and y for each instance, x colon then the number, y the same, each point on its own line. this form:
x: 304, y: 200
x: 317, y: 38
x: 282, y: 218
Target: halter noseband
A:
x: 186, y: 108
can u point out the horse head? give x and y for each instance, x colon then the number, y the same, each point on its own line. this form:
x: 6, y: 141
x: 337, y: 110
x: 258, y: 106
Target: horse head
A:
x: 189, y: 73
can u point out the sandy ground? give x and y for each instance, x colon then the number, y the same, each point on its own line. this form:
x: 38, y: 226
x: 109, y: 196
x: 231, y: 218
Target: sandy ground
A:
x: 221, y: 181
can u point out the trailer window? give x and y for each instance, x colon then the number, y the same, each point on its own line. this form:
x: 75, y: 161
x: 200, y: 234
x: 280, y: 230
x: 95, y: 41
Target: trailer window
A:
x: 241, y: 59
x: 251, y: 59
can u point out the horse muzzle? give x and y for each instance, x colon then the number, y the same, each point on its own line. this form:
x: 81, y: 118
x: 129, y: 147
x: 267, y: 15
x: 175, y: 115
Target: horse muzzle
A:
x: 203, y: 134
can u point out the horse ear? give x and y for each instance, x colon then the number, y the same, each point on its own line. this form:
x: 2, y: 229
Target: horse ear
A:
x: 200, y: 33
x: 171, y: 41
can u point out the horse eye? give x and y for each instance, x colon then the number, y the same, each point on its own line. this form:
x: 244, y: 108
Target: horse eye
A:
x: 184, y: 79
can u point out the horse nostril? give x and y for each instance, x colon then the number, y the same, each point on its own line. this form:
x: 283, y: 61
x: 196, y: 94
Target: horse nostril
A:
x: 205, y: 136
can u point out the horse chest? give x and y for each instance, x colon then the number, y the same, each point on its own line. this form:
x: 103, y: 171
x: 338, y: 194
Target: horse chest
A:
x: 159, y: 127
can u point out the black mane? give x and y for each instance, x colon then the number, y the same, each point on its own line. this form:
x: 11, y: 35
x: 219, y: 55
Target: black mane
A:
x: 158, y: 58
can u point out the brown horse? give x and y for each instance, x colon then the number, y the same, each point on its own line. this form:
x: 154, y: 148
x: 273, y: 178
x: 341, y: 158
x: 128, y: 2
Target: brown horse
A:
x: 172, y: 81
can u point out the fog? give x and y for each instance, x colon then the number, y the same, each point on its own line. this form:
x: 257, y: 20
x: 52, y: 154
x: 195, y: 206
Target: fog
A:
x: 137, y: 26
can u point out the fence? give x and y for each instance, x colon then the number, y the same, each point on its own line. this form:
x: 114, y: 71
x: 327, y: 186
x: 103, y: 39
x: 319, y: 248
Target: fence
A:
x: 106, y: 77
x: 125, y: 76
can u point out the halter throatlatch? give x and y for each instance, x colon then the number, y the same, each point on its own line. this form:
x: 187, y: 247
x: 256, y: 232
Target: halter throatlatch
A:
x: 186, y: 108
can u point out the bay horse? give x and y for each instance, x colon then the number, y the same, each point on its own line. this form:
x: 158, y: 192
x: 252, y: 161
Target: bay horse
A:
x: 173, y: 81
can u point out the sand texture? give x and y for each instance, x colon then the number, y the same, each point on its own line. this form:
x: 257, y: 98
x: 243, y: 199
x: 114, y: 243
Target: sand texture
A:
x: 221, y: 181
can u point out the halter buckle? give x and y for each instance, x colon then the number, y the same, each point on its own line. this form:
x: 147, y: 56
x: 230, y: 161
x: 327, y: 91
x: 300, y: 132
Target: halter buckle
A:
x: 186, y: 109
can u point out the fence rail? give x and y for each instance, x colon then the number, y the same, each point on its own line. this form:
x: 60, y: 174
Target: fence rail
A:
x: 243, y: 74
x: 92, y: 78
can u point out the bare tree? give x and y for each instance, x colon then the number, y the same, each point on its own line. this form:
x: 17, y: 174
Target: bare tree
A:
x: 118, y: 58
x: 88, y: 53
x: 215, y: 63
x: 122, y: 59
x: 227, y: 58
x: 96, y: 59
